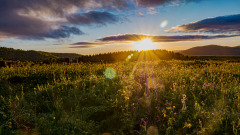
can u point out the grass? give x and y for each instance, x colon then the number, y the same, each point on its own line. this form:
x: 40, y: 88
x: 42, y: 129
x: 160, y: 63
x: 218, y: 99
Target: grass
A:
x: 152, y: 97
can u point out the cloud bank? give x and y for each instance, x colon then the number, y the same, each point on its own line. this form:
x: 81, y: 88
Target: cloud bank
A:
x: 128, y: 38
x: 136, y: 37
x: 222, y: 24
x: 40, y: 19
x: 152, y: 3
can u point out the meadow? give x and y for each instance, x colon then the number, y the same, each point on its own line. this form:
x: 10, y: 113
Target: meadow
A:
x: 121, y: 98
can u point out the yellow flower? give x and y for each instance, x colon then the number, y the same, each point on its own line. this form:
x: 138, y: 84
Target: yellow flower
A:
x: 10, y: 126
x: 10, y: 123
x: 173, y: 106
x: 5, y: 116
x: 164, y: 115
x: 126, y: 98
x: 189, y: 125
x: 54, y: 118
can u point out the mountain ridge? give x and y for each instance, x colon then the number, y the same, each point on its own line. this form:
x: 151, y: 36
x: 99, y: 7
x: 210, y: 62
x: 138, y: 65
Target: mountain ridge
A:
x: 212, y: 50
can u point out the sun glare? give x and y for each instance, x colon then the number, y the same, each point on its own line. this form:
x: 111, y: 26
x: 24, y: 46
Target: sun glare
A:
x: 145, y: 44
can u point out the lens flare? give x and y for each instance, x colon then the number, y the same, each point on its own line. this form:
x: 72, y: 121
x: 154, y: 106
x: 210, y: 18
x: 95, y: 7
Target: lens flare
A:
x: 110, y: 73
x: 164, y: 24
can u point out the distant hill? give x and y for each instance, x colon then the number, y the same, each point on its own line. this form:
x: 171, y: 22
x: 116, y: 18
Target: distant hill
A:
x: 31, y: 55
x: 212, y: 50
x: 67, y: 55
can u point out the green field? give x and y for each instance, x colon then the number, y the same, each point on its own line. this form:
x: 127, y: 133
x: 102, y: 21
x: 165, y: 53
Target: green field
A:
x: 147, y: 97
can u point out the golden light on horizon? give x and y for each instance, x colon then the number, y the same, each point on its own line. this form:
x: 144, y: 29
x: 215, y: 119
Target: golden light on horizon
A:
x: 145, y: 44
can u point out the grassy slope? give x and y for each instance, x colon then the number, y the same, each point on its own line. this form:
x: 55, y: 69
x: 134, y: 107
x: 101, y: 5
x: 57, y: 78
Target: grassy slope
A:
x: 16, y: 54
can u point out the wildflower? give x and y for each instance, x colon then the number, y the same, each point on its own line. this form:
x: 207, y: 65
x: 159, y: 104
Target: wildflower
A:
x: 164, y: 115
x: 174, y: 83
x: 94, y: 86
x: 10, y: 123
x: 10, y: 126
x: 144, y: 124
x: 5, y: 116
x: 168, y: 108
x: 194, y: 85
x: 184, y: 108
x: 216, y: 87
x: 235, y: 101
x: 173, y: 106
x: 189, y: 125
x: 126, y: 98
x: 54, y: 118
x: 183, y: 86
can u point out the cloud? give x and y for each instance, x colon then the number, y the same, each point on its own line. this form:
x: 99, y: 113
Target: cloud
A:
x: 63, y: 32
x: 82, y: 46
x: 32, y: 28
x: 152, y: 3
x: 39, y: 19
x: 92, y: 17
x: 151, y: 11
x: 86, y: 43
x: 128, y: 38
x: 136, y: 37
x: 28, y: 27
x: 140, y: 14
x: 221, y: 24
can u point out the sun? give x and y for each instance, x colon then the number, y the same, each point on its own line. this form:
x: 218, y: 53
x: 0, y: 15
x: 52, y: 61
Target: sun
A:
x: 145, y: 44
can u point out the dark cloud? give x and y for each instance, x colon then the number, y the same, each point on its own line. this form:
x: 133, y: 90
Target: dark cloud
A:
x: 32, y: 28
x: 92, y: 17
x: 39, y: 19
x: 221, y: 24
x: 151, y: 3
x: 28, y: 27
x: 136, y: 37
x: 59, y: 7
x: 82, y: 46
x: 15, y: 25
x: 63, y: 32
x: 83, y: 43
x: 127, y: 38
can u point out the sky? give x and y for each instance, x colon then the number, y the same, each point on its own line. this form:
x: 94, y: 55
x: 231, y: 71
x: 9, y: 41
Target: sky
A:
x: 101, y: 26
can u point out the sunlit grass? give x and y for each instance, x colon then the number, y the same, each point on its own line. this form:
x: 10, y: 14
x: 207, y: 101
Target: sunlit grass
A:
x: 146, y: 97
